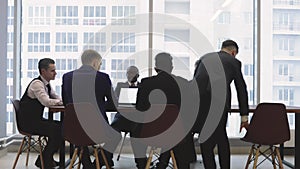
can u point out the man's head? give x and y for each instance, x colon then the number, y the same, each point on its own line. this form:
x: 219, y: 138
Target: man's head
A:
x: 47, y: 69
x: 132, y: 74
x: 92, y: 58
x: 163, y: 62
x: 230, y: 47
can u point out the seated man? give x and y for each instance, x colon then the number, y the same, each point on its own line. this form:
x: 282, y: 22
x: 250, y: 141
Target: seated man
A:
x: 37, y: 95
x: 167, y: 83
x: 88, y: 84
x: 121, y: 123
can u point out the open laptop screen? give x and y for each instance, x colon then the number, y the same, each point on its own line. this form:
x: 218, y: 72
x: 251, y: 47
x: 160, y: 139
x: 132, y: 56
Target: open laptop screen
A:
x: 127, y: 96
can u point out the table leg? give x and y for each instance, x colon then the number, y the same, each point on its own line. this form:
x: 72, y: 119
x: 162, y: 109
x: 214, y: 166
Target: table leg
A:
x: 297, y: 141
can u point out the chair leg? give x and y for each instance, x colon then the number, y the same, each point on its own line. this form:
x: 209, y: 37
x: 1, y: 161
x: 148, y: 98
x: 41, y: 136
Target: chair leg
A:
x: 28, y: 149
x: 122, y: 144
x: 273, y: 153
x: 41, y: 152
x: 249, y: 157
x: 96, y: 158
x: 173, y: 159
x: 19, y: 152
x: 104, y: 158
x: 149, y: 158
x: 80, y: 158
x: 279, y: 158
x: 256, y: 157
x: 73, y: 158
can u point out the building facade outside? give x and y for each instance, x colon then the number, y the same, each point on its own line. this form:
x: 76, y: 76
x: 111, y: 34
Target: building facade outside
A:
x: 118, y: 30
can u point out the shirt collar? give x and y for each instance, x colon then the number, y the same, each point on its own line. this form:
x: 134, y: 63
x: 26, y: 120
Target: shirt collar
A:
x: 44, y: 80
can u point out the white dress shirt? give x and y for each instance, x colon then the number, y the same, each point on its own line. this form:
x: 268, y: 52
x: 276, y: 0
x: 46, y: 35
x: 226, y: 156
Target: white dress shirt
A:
x: 38, y: 89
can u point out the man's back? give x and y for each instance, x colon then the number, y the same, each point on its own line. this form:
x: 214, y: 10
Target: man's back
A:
x: 87, y: 85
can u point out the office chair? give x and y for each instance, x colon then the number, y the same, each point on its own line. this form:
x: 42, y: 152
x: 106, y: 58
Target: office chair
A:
x: 75, y: 134
x: 29, y: 141
x: 164, y: 123
x: 269, y: 126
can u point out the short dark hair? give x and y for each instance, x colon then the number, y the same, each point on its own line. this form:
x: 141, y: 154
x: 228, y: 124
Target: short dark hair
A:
x: 44, y: 63
x: 229, y: 44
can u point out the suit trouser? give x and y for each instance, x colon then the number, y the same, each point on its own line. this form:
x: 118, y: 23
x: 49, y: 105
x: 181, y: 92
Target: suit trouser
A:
x: 120, y: 123
x: 53, y: 131
x: 219, y: 139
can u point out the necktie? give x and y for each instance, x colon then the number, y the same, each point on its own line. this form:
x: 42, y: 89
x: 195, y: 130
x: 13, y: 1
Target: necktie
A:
x: 49, y: 89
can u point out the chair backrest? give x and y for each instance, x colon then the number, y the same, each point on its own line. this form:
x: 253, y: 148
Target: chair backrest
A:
x: 269, y: 125
x: 16, y: 105
x: 74, y: 129
x: 159, y: 131
x: 163, y: 122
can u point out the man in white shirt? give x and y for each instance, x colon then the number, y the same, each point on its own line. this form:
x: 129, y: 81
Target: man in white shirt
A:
x: 37, y: 96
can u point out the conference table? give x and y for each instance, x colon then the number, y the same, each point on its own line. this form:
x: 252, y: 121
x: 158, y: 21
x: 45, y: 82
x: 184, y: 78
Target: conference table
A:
x: 234, y: 109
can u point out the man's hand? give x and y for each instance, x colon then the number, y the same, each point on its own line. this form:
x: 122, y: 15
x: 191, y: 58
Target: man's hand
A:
x: 244, y: 125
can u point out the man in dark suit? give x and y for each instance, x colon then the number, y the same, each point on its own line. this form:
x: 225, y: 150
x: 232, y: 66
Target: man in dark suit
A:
x: 121, y: 123
x: 167, y: 83
x: 37, y: 96
x: 207, y: 75
x: 87, y: 84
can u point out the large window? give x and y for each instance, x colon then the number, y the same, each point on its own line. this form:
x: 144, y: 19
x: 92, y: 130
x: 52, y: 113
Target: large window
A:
x: 189, y: 29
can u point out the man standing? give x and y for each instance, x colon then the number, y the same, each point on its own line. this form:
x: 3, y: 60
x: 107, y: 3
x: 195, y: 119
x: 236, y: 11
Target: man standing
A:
x: 87, y: 84
x: 169, y: 84
x: 232, y: 71
x: 37, y: 96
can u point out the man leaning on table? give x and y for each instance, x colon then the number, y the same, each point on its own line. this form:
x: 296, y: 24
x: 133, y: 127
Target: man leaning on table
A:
x: 37, y: 96
x: 231, y: 68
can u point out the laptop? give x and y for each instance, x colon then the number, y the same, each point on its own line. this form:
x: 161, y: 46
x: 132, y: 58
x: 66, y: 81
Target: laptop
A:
x: 127, y: 97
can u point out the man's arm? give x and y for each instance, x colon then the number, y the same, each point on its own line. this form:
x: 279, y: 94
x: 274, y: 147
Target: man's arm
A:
x: 37, y: 90
x: 242, y: 95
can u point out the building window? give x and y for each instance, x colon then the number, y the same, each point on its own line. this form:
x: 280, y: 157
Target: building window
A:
x: 220, y: 41
x: 10, y: 41
x: 177, y: 7
x: 94, y: 40
x: 66, y: 15
x: 248, y: 18
x: 287, y: 45
x: 94, y: 15
x: 9, y: 71
x: 119, y: 67
x: 32, y: 68
x: 10, y: 15
x: 64, y: 65
x: 181, y: 63
x: 224, y: 18
x: 123, y: 42
x: 39, y: 15
x: 38, y: 42
x: 247, y: 44
x: 283, y: 69
x: 286, y: 95
x: 248, y: 69
x: 177, y: 35
x: 123, y: 15
x: 66, y: 42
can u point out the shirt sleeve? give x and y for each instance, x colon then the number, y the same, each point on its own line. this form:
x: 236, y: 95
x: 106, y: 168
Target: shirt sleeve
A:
x: 37, y: 90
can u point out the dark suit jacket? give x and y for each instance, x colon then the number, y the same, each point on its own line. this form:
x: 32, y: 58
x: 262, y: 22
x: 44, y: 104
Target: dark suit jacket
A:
x: 88, y: 85
x: 232, y: 68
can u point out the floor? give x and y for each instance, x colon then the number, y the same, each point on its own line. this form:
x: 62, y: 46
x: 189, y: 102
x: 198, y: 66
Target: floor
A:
x: 127, y: 162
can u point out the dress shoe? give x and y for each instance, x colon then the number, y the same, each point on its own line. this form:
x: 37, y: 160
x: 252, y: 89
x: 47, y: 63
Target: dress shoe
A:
x: 39, y: 164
